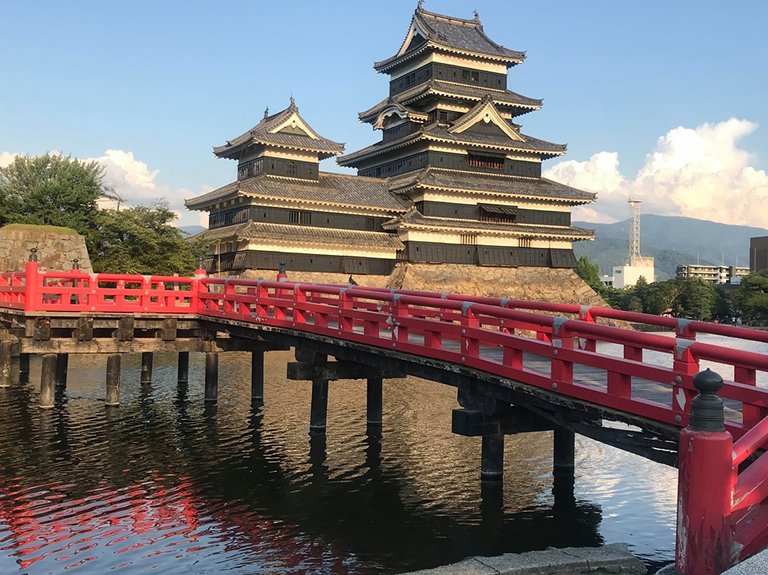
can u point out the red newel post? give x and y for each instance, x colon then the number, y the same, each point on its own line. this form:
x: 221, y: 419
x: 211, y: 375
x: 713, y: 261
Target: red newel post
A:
x: 31, y: 281
x: 705, y: 484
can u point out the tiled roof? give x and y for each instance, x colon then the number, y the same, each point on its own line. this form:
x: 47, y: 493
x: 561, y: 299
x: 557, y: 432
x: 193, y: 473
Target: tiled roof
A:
x: 439, y: 133
x: 453, y: 35
x: 335, y: 190
x: 454, y: 90
x: 262, y: 133
x: 309, y: 235
x: 482, y: 183
x: 414, y: 218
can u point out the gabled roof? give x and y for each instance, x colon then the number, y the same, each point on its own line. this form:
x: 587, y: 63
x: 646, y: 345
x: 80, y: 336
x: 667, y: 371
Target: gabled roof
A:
x: 414, y: 219
x: 286, y: 129
x: 436, y: 132
x: 457, y: 91
x: 485, y: 111
x: 303, y: 235
x: 366, y: 195
x: 431, y: 31
x: 490, y: 185
x: 400, y: 111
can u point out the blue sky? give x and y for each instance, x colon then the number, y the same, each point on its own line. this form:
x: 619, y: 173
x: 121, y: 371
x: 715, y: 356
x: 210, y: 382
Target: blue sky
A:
x: 665, y: 101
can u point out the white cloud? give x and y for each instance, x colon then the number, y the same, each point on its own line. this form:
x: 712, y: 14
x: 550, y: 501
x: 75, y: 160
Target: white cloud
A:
x: 700, y: 173
x: 6, y: 158
x: 135, y: 183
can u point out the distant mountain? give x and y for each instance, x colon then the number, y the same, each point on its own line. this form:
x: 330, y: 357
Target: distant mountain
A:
x: 187, y: 231
x: 671, y: 240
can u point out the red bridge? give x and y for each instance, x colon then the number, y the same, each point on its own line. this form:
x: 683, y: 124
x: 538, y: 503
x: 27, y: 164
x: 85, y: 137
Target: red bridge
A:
x: 518, y: 365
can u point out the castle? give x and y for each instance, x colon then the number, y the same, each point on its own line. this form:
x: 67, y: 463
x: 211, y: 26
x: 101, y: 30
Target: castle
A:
x: 453, y: 180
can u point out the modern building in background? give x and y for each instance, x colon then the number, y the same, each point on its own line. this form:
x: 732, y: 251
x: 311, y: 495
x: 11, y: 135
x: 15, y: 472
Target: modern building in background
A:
x: 635, y: 266
x: 713, y: 274
x: 758, y: 253
x: 454, y: 179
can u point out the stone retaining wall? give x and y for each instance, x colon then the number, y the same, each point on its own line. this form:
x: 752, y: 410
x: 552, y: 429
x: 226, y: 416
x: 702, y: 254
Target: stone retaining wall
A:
x: 56, y: 247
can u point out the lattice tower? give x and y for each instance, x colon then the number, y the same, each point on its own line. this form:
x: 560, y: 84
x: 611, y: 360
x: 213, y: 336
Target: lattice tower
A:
x: 634, y: 258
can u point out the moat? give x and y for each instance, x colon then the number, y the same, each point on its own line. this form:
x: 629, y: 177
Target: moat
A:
x: 162, y: 482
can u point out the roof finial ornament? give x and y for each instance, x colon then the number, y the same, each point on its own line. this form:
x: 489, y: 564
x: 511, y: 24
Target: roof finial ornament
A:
x: 477, y: 15
x: 266, y: 112
x: 293, y: 102
x: 420, y: 5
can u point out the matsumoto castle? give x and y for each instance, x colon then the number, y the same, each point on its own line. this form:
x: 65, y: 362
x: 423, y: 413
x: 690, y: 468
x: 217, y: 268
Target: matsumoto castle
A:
x: 453, y: 179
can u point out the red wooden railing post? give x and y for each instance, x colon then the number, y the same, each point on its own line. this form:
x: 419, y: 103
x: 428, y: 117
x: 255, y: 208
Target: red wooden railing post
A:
x: 705, y: 485
x: 31, y: 284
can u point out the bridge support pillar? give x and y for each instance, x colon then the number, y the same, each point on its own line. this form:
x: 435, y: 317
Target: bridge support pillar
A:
x: 147, y: 358
x: 5, y: 363
x: 705, y: 484
x: 374, y: 401
x: 62, y: 368
x: 113, y: 380
x: 257, y: 377
x: 319, y: 413
x: 211, y: 377
x: 24, y: 367
x: 564, y: 452
x: 492, y: 460
x: 183, y: 368
x: 563, y: 468
x: 47, y: 380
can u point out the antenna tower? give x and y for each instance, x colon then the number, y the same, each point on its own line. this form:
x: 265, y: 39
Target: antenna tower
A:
x: 634, y: 258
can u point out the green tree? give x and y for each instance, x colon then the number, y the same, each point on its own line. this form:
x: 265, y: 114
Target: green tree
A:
x: 54, y: 190
x: 589, y: 271
x: 751, y: 297
x: 142, y: 240
x: 696, y: 298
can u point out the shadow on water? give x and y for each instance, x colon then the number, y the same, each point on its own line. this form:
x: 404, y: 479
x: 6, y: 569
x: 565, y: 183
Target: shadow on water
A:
x: 166, y: 481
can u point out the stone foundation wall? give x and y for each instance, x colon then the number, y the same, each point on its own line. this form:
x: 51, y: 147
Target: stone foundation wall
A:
x: 538, y: 284
x: 56, y: 247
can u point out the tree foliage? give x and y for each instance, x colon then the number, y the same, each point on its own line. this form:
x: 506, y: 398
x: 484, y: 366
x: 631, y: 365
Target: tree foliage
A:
x: 142, y: 240
x: 54, y: 190
x: 62, y: 191
x: 589, y: 271
x: 751, y: 297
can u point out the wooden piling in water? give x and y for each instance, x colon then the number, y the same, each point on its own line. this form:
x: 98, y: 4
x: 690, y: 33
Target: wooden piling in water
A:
x: 319, y: 409
x: 113, y: 380
x: 374, y: 401
x: 146, y: 367
x: 5, y: 363
x: 183, y: 368
x: 564, y: 452
x: 24, y: 367
x: 257, y: 377
x: 62, y: 367
x: 492, y: 459
x: 211, y: 377
x: 47, y: 380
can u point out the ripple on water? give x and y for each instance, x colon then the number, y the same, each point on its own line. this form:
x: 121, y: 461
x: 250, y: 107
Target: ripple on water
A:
x: 164, y: 483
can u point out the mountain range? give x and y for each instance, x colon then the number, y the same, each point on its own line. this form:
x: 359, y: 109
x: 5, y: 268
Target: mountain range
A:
x: 671, y: 241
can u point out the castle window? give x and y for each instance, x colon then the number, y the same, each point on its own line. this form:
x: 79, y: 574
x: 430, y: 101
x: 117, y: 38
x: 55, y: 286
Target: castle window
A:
x: 488, y: 162
x: 370, y: 224
x: 410, y: 79
x: 300, y: 217
x: 525, y: 242
x: 468, y: 239
x: 291, y: 171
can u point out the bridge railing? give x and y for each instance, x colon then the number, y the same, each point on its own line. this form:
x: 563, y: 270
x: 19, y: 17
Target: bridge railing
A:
x: 512, y: 339
x: 34, y: 290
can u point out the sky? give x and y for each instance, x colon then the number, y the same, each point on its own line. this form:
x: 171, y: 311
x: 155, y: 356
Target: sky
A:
x: 661, y: 101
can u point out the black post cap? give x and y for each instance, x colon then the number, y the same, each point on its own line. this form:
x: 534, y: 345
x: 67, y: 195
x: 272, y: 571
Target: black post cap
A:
x: 33, y: 254
x: 706, y: 408
x: 75, y: 264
